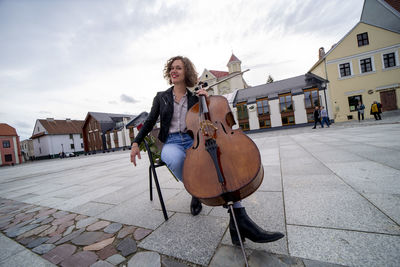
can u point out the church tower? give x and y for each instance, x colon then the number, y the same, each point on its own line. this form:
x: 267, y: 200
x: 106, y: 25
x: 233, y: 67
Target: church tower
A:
x: 234, y: 64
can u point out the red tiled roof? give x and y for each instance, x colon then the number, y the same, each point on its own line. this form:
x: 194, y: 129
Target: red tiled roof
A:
x: 233, y: 58
x: 219, y: 74
x: 394, y: 3
x: 62, y: 126
x: 7, y: 130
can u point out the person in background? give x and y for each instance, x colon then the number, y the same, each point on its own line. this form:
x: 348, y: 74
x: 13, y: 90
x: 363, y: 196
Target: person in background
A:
x: 360, y: 110
x: 375, y: 111
x: 317, y: 117
x: 324, y: 117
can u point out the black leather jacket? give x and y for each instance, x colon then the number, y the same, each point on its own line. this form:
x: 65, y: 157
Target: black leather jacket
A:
x: 163, y: 106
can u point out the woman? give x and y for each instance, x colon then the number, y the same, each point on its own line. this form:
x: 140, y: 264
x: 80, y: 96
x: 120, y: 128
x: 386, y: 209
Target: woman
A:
x: 172, y: 105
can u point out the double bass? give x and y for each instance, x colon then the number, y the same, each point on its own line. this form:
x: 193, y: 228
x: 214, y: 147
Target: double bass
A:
x: 223, y: 165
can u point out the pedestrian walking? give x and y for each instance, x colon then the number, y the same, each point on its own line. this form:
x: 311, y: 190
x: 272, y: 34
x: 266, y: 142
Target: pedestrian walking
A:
x: 324, y: 117
x: 375, y: 111
x: 317, y: 117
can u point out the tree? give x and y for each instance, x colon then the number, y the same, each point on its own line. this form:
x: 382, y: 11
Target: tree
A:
x: 270, y: 79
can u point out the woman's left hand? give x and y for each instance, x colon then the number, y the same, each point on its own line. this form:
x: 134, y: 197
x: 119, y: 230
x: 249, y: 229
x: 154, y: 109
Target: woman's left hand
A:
x: 202, y: 92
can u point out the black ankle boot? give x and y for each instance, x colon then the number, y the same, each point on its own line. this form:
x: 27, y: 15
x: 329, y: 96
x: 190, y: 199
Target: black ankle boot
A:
x: 195, y: 206
x: 249, y: 229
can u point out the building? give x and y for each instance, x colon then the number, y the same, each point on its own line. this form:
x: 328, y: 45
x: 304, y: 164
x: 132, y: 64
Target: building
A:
x: 27, y: 150
x: 52, y: 138
x: 106, y: 131
x: 280, y: 103
x: 10, y: 152
x: 364, y: 65
x: 228, y: 86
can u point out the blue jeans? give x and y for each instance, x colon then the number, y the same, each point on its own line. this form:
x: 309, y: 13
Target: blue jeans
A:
x: 173, y: 152
x: 324, y: 120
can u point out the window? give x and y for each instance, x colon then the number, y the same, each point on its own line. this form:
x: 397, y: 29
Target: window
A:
x: 70, y: 136
x: 287, y: 120
x: 353, y: 102
x: 366, y: 65
x: 81, y: 145
x: 40, y: 150
x: 38, y: 129
x: 389, y: 60
x: 311, y: 98
x: 345, y: 69
x: 72, y: 146
x: 242, y: 111
x: 263, y: 113
x: 262, y: 106
x: 8, y: 158
x: 362, y: 39
x: 285, y: 101
x: 38, y: 140
x: 6, y: 144
x: 244, y: 126
x: 80, y: 136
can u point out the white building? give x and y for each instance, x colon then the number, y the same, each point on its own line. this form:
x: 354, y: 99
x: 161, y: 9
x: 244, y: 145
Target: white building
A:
x: 281, y: 103
x: 52, y: 137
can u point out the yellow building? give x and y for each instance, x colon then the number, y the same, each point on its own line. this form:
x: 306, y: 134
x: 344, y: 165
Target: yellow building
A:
x: 364, y: 65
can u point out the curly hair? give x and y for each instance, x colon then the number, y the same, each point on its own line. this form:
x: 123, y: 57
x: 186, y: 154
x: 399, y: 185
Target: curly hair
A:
x: 190, y: 70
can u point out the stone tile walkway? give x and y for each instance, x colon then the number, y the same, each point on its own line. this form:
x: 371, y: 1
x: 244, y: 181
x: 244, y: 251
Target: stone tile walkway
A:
x: 333, y: 192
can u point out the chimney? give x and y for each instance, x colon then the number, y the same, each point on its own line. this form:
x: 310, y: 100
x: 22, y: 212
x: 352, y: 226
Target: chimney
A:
x: 50, y: 119
x: 68, y: 119
x: 321, y: 53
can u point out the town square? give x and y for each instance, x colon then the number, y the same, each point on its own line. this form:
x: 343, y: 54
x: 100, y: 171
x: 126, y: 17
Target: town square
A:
x: 200, y: 133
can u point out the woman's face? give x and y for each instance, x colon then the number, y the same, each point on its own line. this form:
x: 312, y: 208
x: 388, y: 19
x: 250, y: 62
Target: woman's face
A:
x: 177, y: 72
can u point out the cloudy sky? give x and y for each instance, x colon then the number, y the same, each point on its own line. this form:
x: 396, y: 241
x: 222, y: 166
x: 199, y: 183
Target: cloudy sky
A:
x: 61, y: 59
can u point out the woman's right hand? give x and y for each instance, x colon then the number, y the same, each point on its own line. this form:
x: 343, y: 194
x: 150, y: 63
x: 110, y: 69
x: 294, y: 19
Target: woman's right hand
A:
x: 135, y: 151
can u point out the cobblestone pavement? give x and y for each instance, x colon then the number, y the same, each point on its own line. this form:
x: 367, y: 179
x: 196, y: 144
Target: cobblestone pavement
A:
x: 335, y: 193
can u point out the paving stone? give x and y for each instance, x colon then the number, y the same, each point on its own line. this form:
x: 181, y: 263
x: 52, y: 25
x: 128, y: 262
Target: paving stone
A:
x: 45, y: 213
x: 64, y: 219
x: 47, y: 220
x: 100, y: 245
x: 116, y: 259
x: 261, y: 258
x: 85, y: 222
x: 53, y: 239
x: 87, y: 238
x: 101, y: 264
x: 70, y: 236
x: 312, y: 263
x: 60, y: 214
x: 58, y: 254
x: 80, y: 259
x: 127, y: 230
x: 145, y: 259
x: 127, y: 246
x: 40, y: 219
x: 44, y: 248
x: 167, y: 262
x: 49, y: 230
x: 15, y: 226
x: 35, y: 231
x: 25, y: 241
x: 141, y: 233
x: 113, y: 228
x: 106, y: 252
x: 37, y: 242
x: 34, y: 209
x: 21, y: 230
x: 97, y: 226
x: 69, y: 230
x: 81, y: 217
x: 228, y: 256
